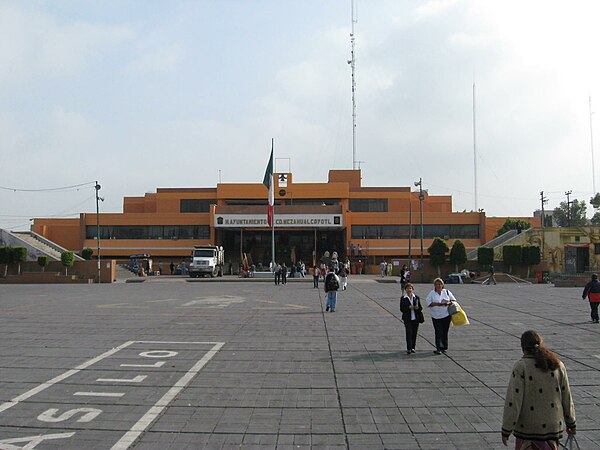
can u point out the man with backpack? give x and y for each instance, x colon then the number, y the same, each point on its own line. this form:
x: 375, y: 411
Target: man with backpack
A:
x: 332, y: 284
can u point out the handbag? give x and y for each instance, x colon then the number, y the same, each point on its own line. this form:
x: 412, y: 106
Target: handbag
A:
x: 454, y: 308
x: 571, y: 443
x: 460, y: 318
x: 420, y: 316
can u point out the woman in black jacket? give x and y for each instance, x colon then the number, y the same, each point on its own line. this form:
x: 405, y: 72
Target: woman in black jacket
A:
x: 412, y: 315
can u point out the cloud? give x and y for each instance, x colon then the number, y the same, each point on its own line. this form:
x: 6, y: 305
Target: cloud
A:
x: 165, y: 58
x: 35, y: 45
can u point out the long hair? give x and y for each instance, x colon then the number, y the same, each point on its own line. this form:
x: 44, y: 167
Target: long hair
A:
x: 532, y: 343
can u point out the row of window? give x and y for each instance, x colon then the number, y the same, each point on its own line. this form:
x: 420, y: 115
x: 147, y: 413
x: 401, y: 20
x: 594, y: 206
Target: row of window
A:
x: 368, y: 204
x: 403, y: 231
x: 192, y: 205
x: 149, y: 232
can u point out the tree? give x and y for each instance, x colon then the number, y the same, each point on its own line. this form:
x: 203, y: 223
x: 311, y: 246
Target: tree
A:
x: 87, y: 253
x: 19, y: 256
x: 6, y: 257
x: 512, y: 255
x: 485, y: 256
x: 577, y: 213
x: 513, y: 224
x: 67, y: 259
x: 595, y: 202
x: 437, y: 253
x: 42, y: 262
x: 458, y: 254
x: 530, y: 256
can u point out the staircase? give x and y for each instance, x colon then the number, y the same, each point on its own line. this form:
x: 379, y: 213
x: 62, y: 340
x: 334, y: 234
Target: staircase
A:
x: 496, y: 242
x: 40, y: 244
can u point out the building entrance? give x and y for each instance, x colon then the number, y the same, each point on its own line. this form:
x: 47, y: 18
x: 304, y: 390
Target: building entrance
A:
x: 291, y: 246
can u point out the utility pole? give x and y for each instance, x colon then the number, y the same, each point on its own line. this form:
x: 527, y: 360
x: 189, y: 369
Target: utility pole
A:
x: 568, y: 193
x: 544, y: 200
x: 421, y: 197
x: 98, y: 199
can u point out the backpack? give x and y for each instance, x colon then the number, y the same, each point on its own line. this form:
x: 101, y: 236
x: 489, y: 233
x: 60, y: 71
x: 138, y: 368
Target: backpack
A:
x: 331, y: 284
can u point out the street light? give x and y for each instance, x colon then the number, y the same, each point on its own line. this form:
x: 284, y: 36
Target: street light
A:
x: 420, y: 184
x: 98, y: 199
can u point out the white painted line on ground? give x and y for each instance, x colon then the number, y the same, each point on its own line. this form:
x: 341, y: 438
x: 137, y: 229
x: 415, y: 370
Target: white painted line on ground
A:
x: 129, y: 438
x: 100, y: 394
x: 36, y: 390
x: 156, y: 364
x: 596, y: 356
x: 137, y: 379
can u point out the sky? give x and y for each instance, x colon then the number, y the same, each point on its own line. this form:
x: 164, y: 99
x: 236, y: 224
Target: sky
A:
x: 144, y: 94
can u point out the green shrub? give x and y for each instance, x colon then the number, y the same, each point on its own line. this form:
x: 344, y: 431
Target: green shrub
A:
x: 458, y: 254
x: 6, y: 255
x: 67, y: 259
x: 87, y: 253
x: 19, y: 256
x: 437, y: 253
x: 42, y: 262
x: 531, y: 256
x: 485, y: 256
x: 512, y: 255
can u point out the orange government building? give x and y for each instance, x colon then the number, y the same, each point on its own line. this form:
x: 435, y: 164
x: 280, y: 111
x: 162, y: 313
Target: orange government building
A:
x: 310, y: 218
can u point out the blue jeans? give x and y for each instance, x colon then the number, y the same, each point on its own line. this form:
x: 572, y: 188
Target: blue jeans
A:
x: 331, y: 299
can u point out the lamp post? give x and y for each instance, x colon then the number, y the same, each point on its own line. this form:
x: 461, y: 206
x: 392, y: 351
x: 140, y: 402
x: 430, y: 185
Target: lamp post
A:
x: 420, y: 184
x: 98, y: 199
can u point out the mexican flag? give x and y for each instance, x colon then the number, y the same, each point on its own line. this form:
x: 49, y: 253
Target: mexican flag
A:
x: 268, y: 182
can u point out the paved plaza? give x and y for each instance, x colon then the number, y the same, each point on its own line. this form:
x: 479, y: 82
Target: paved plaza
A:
x: 172, y: 364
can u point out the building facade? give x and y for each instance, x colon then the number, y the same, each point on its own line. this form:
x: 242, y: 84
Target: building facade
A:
x: 310, y: 218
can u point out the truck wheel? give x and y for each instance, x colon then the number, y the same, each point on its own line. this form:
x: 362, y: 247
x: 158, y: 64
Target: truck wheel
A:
x: 214, y: 273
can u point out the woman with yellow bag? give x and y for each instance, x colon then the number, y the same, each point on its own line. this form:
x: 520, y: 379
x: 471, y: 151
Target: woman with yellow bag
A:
x: 438, y: 301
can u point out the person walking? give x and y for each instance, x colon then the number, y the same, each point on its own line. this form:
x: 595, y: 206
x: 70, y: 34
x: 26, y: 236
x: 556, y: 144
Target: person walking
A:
x: 403, y: 279
x: 316, y: 275
x: 538, y: 402
x: 592, y: 292
x: 172, y: 267
x: 383, y: 268
x: 359, y: 266
x: 343, y: 277
x: 412, y: 316
x: 284, y: 273
x: 277, y: 272
x: 359, y: 250
x: 332, y: 284
x: 491, y: 277
x: 438, y: 301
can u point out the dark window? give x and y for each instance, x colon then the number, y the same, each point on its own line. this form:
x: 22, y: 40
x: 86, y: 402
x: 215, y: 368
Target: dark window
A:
x: 313, y: 201
x: 251, y: 201
x: 596, y: 249
x: 368, y: 204
x: 150, y: 232
x: 402, y: 231
x: 195, y: 205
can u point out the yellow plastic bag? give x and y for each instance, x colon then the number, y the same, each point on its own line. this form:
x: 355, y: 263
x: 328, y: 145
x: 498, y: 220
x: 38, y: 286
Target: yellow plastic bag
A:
x: 460, y: 318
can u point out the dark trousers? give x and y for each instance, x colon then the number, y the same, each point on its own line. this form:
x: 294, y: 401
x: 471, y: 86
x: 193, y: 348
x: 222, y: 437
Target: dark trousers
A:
x: 315, y: 281
x: 441, y: 327
x: 412, y: 328
x: 277, y: 277
x: 594, y: 307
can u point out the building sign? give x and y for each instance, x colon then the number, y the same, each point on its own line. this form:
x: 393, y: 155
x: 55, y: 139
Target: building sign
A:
x: 281, y: 220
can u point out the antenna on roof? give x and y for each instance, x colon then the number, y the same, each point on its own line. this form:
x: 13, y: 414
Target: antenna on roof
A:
x: 352, y: 63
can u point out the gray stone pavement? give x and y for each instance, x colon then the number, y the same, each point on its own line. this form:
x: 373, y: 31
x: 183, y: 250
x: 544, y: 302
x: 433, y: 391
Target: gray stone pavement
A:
x: 170, y: 364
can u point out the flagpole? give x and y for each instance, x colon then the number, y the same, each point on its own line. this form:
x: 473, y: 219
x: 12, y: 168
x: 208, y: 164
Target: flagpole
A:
x: 273, y: 219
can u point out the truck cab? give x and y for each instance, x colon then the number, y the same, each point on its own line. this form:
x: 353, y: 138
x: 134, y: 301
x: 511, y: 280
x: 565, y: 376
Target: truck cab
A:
x: 207, y: 260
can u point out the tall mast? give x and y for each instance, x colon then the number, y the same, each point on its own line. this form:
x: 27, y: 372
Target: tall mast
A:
x: 353, y: 66
x: 592, y: 145
x: 475, y: 149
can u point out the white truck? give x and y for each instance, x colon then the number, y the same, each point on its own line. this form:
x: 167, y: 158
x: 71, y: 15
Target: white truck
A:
x: 207, y: 260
